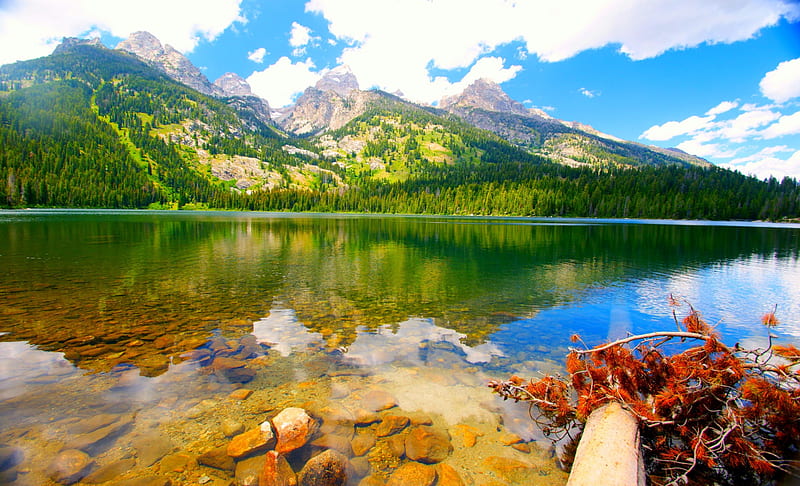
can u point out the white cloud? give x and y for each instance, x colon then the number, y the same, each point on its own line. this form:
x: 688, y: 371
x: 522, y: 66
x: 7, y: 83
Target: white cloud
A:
x: 32, y: 28
x: 746, y: 124
x: 300, y: 35
x: 395, y: 42
x: 723, y: 107
x: 257, y: 55
x: 782, y: 83
x: 701, y: 148
x: 786, y: 125
x: 588, y: 93
x: 765, y: 164
x: 281, y: 82
x: 672, y: 129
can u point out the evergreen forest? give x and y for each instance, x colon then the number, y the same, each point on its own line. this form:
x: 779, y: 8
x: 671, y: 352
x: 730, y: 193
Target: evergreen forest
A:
x: 97, y: 128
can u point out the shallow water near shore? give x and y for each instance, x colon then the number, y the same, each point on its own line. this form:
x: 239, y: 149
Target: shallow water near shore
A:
x: 145, y: 339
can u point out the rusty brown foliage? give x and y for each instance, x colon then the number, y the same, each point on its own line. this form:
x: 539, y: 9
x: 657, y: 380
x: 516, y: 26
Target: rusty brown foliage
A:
x: 709, y: 413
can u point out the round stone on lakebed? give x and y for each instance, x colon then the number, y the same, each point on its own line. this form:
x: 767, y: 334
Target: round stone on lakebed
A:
x: 69, y: 466
x: 428, y: 444
x: 293, y: 428
x: 326, y: 469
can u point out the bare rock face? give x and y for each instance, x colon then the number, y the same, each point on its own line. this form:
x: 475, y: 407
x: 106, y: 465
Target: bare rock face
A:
x: 330, y: 104
x: 232, y: 84
x: 68, y: 43
x: 340, y: 80
x: 177, y: 66
x: 486, y: 95
x: 318, y: 111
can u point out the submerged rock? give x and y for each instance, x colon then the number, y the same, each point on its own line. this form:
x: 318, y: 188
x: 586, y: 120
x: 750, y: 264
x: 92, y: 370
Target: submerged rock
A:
x: 277, y: 471
x: 391, y: 424
x: 378, y: 400
x: 217, y: 458
x: 152, y: 447
x: 248, y: 471
x: 448, y: 476
x: 327, y: 469
x: 110, y: 471
x: 413, y: 474
x: 427, y: 444
x: 362, y: 443
x: 69, y: 466
x: 254, y: 440
x: 293, y: 428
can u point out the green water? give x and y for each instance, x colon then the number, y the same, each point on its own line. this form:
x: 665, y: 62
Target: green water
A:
x: 99, y: 311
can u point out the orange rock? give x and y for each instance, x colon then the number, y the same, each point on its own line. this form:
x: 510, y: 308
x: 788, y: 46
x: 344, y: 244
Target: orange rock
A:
x: 293, y: 428
x: 522, y: 447
x: 508, y: 439
x: 378, y: 400
x: 391, y: 424
x: 469, y: 435
x: 427, y: 444
x: 448, y: 476
x: 413, y: 473
x: 241, y: 394
x: 254, y: 440
x: 277, y: 471
x: 362, y: 443
x: 511, y: 470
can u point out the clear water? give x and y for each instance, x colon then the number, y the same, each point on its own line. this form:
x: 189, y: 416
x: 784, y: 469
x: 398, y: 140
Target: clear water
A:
x: 110, y: 314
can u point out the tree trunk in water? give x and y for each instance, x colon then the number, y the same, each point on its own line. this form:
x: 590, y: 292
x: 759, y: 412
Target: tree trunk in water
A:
x: 609, y: 452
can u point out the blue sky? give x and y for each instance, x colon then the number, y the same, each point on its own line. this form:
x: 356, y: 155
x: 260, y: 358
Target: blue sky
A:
x: 717, y: 78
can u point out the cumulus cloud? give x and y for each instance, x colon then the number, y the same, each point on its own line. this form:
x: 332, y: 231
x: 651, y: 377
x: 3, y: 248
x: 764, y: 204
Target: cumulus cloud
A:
x: 588, y: 93
x: 766, y: 163
x: 782, y: 83
x: 672, y: 129
x: 746, y: 125
x: 786, y: 125
x: 723, y: 107
x: 299, y: 36
x: 257, y: 55
x: 394, y: 40
x: 281, y: 82
x: 32, y: 28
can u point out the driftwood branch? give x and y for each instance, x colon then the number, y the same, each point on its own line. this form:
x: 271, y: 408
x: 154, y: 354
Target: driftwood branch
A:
x: 642, y: 337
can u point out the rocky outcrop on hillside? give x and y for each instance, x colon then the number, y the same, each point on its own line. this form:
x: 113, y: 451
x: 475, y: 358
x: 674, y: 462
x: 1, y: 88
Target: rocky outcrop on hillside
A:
x: 67, y: 43
x: 485, y: 105
x: 232, y: 84
x: 486, y: 95
x: 238, y: 94
x: 340, y: 80
x: 177, y: 66
x: 330, y: 104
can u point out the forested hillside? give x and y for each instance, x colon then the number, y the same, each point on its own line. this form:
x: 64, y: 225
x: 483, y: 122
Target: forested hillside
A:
x: 93, y: 127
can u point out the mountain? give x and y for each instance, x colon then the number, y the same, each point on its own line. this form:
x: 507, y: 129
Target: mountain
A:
x: 177, y: 66
x: 485, y: 95
x: 237, y: 93
x: 232, y: 84
x: 485, y: 105
x: 94, y: 127
x: 330, y: 104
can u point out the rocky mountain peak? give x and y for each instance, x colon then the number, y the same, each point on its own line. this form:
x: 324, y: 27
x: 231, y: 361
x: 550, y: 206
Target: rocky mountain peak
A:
x: 487, y: 95
x: 233, y: 85
x: 67, y: 43
x: 340, y: 80
x: 166, y: 58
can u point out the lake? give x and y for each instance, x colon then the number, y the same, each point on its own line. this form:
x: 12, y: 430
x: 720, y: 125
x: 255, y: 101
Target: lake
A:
x: 147, y: 340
